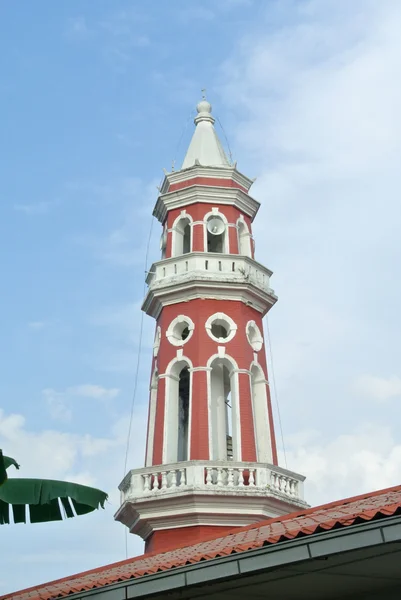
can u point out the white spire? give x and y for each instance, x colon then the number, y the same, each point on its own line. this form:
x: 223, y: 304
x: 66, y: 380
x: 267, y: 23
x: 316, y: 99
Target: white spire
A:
x: 205, y: 147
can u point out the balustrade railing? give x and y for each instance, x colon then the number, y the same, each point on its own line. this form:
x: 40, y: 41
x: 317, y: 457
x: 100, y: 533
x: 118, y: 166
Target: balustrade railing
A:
x: 207, y: 475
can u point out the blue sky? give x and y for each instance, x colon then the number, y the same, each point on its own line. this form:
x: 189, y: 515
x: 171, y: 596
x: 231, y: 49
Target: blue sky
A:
x: 96, y: 98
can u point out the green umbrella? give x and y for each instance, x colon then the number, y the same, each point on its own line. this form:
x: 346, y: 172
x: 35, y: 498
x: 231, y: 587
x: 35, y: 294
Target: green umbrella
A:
x: 44, y: 499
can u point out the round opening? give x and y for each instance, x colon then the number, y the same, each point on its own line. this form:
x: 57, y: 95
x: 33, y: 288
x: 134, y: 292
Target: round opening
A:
x: 254, y: 336
x: 180, y: 330
x: 220, y: 329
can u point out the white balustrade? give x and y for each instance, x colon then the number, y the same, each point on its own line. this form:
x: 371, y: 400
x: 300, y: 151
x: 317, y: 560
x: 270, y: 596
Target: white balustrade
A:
x: 206, y: 265
x: 212, y: 475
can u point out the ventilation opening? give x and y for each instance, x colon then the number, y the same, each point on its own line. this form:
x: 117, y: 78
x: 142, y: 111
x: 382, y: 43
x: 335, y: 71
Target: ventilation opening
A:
x: 183, y: 414
x: 182, y: 237
x: 215, y: 243
x: 186, y: 242
x: 220, y: 329
x: 221, y: 406
x: 181, y: 331
x: 229, y: 420
x: 215, y: 234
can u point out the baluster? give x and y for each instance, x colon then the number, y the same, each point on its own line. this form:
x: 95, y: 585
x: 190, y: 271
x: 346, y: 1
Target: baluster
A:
x: 240, y: 478
x: 183, y: 479
x: 173, y: 478
x: 146, y: 482
x: 283, y: 482
x: 252, y: 477
x: 208, y: 476
x: 273, y: 480
x: 230, y: 478
x: 219, y: 476
x: 164, y: 480
x: 294, y: 487
x: 155, y: 485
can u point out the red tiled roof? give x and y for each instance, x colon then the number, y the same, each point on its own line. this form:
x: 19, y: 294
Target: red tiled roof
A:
x: 342, y: 513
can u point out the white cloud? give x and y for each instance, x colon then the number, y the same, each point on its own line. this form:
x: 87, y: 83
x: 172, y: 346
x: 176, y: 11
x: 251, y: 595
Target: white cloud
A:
x: 36, y: 325
x: 57, y: 405
x: 61, y: 403
x: 378, y: 388
x: 35, y: 208
x: 94, y: 391
x: 77, y: 544
x: 77, y: 28
x: 364, y: 460
x: 315, y: 114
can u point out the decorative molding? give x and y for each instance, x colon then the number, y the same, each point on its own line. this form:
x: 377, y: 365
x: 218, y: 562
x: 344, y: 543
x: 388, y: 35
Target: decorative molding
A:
x: 156, y: 299
x: 229, y: 173
x: 156, y: 343
x: 169, y: 375
x: 199, y: 194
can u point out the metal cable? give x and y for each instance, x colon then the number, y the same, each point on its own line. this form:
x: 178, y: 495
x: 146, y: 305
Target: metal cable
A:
x: 226, y: 138
x: 275, y: 391
x: 138, y: 362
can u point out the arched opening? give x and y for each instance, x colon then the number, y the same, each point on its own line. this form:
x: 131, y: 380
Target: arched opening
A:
x: 223, y: 409
x: 183, y: 414
x: 244, y: 239
x: 260, y: 415
x: 186, y: 242
x: 182, y: 237
x: 216, y: 232
x: 177, y: 412
x: 152, y: 417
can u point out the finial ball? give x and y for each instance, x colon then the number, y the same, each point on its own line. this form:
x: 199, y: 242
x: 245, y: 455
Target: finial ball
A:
x: 204, y: 107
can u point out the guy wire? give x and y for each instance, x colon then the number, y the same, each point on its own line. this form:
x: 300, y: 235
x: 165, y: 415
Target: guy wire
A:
x: 275, y: 390
x: 138, y: 362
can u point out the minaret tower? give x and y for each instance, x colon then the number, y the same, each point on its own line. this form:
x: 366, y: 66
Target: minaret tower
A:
x: 211, y: 459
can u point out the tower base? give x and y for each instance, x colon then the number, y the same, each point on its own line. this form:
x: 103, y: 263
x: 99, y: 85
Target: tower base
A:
x: 170, y: 505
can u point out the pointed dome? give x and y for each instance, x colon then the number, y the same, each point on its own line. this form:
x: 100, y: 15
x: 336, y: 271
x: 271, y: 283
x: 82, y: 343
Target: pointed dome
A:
x: 205, y: 147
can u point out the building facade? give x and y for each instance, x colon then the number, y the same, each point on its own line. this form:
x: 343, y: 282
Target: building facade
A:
x: 211, y: 458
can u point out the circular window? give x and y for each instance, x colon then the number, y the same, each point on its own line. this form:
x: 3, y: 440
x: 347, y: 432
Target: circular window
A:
x: 180, y: 330
x: 221, y: 328
x: 254, y: 336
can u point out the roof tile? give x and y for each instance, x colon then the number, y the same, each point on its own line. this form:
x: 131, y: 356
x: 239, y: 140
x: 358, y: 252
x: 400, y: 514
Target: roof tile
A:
x: 342, y: 513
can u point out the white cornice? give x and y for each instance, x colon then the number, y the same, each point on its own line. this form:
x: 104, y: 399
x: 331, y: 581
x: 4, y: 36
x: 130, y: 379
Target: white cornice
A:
x: 195, y: 288
x: 194, y: 507
x: 210, y: 172
x: 205, y: 194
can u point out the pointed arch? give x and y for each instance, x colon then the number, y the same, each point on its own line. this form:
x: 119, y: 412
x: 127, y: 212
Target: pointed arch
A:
x: 244, y: 238
x: 182, y: 234
x: 178, y: 400
x: 224, y: 409
x: 261, y: 420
